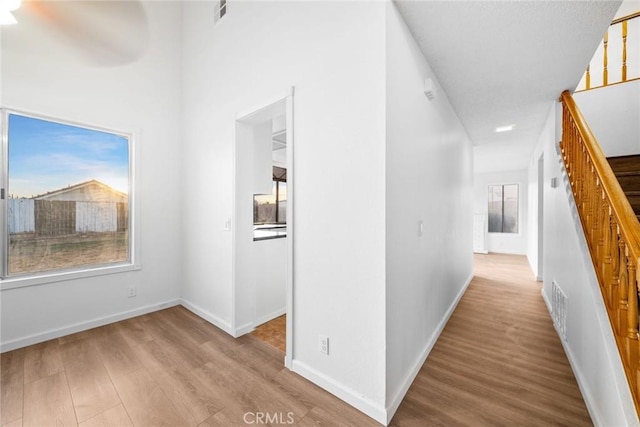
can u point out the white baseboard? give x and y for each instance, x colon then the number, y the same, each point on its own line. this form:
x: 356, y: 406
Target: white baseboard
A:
x: 547, y: 302
x: 214, y: 320
x: 83, y: 326
x: 251, y: 326
x: 397, y: 400
x: 582, y: 385
x: 264, y: 319
x: 243, y: 329
x: 352, y: 397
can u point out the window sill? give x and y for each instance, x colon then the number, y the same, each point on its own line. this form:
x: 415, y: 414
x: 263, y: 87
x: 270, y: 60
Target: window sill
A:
x: 269, y: 231
x: 51, y: 277
x: 259, y: 239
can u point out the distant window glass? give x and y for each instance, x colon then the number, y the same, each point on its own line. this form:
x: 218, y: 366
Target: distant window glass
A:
x: 503, y: 208
x: 67, y: 197
x: 272, y: 208
x: 223, y: 8
x: 282, y: 203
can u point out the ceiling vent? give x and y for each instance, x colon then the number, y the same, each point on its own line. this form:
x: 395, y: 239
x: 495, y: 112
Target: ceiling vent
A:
x: 221, y: 10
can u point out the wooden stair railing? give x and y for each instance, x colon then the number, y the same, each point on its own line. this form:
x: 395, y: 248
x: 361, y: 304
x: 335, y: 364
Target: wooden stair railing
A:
x: 616, y: 41
x: 612, y: 232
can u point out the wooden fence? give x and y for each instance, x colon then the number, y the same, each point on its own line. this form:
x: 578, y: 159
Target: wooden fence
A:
x: 21, y: 216
x: 54, y: 217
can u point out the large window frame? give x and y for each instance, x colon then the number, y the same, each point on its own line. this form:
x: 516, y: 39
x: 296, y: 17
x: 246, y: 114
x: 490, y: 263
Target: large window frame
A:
x: 9, y: 281
x: 502, y: 209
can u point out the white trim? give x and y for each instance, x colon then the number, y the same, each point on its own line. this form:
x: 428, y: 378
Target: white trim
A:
x: 4, y: 180
x: 247, y: 116
x: 264, y: 319
x: 411, y: 376
x: 243, y: 330
x: 234, y: 222
x: 289, y: 121
x: 587, y: 396
x: 211, y: 318
x: 352, y: 397
x: 83, y: 326
x: 52, y: 277
x: 242, y: 115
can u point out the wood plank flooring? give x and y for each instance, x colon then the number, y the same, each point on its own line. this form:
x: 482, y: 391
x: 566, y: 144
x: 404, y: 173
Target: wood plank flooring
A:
x: 498, y: 362
x: 273, y: 332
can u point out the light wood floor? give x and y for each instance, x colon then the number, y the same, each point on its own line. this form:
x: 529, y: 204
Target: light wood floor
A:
x: 498, y: 362
x: 273, y: 332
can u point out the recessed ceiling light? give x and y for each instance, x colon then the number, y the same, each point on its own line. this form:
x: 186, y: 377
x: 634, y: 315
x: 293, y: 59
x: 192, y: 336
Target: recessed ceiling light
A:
x: 505, y: 128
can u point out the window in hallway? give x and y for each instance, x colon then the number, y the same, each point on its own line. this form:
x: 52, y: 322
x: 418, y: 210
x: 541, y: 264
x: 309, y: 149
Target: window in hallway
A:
x: 503, y: 208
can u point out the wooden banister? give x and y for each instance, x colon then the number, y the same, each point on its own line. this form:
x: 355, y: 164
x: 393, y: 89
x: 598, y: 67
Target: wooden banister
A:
x: 619, y: 27
x: 626, y: 18
x: 612, y: 232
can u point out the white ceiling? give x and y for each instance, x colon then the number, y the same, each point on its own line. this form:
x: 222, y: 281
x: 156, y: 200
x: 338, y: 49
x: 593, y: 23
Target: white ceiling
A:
x: 505, y: 62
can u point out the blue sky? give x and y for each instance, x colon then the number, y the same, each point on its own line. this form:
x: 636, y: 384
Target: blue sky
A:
x: 45, y: 156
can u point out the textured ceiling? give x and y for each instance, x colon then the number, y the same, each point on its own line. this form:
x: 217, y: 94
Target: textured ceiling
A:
x: 504, y: 62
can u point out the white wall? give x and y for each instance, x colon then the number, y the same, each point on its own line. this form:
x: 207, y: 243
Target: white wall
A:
x: 613, y: 114
x: 333, y: 53
x: 270, y: 263
x: 41, y: 75
x: 590, y: 345
x: 628, y: 7
x: 507, y: 243
x: 535, y: 220
x: 429, y: 179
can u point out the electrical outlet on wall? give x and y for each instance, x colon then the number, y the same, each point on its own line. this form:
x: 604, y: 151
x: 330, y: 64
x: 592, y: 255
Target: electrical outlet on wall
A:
x: 324, y: 344
x: 131, y: 292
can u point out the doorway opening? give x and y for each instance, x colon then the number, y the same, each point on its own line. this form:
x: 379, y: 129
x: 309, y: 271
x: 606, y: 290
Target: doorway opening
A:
x: 263, y: 231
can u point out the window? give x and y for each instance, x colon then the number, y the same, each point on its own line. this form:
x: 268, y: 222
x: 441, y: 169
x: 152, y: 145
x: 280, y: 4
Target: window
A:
x: 220, y: 11
x: 67, y: 197
x: 503, y: 208
x: 270, y: 210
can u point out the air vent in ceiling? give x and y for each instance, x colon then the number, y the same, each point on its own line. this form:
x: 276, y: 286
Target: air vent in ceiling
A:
x: 221, y: 10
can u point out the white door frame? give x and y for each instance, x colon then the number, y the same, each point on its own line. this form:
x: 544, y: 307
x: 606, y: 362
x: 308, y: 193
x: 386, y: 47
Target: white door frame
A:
x: 540, y: 218
x: 237, y: 329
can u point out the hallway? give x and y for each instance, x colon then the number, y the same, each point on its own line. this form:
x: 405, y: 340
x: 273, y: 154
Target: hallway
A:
x: 498, y: 361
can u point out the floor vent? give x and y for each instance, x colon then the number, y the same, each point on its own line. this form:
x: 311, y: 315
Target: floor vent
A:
x: 559, y: 309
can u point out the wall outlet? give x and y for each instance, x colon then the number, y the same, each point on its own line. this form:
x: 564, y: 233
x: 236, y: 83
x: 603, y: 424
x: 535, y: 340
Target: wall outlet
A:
x: 227, y: 225
x: 131, y: 292
x: 324, y: 344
